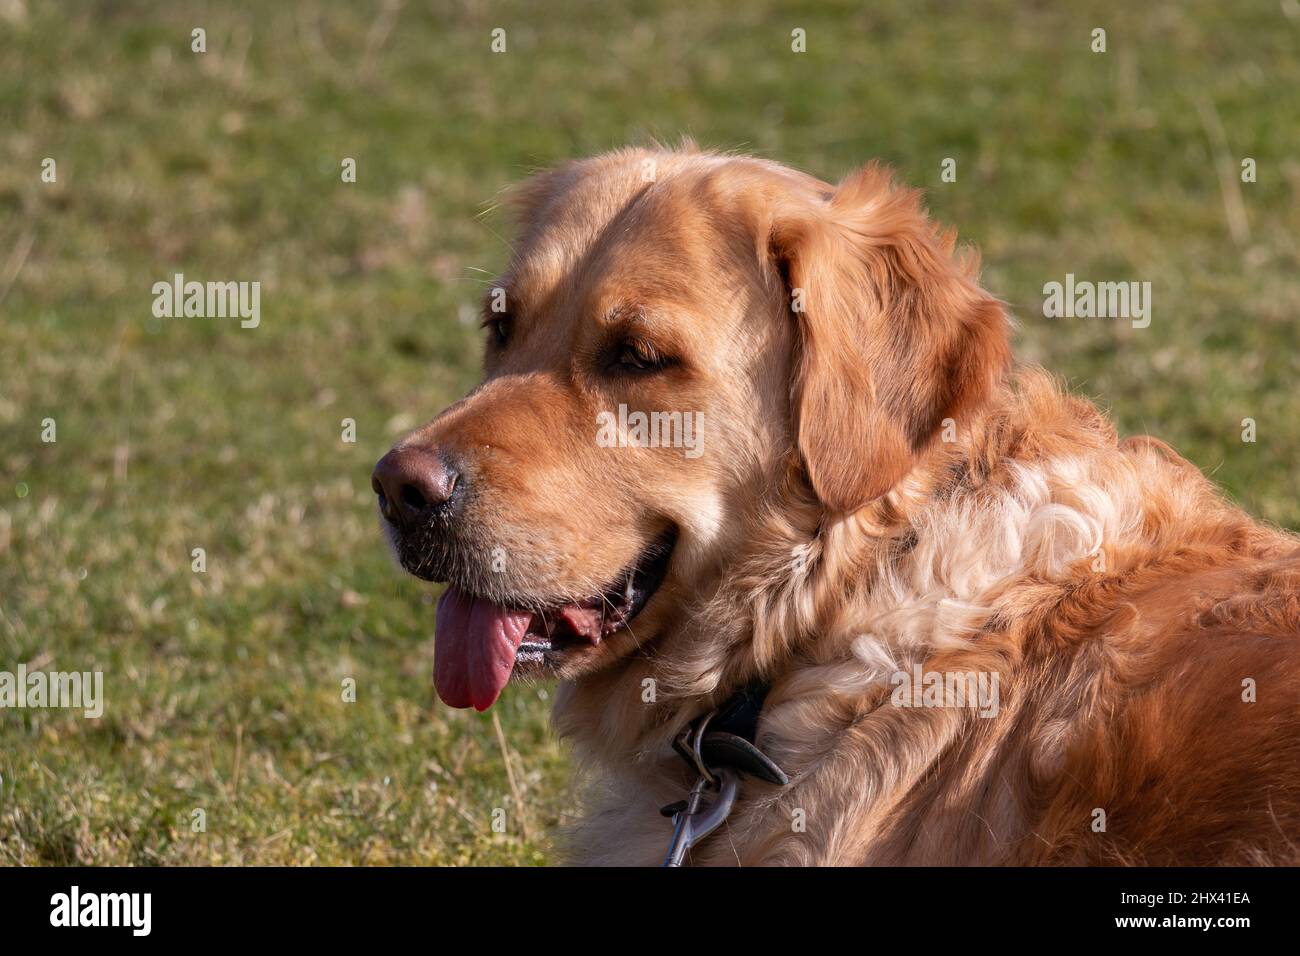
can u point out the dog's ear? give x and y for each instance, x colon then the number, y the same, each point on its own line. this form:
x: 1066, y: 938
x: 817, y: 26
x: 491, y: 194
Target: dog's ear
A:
x: 895, y: 333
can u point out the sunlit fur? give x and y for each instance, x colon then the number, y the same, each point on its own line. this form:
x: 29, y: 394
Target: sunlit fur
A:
x: 832, y: 536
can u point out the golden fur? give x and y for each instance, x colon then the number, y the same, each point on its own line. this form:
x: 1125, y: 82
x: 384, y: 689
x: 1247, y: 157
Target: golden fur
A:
x: 880, y: 489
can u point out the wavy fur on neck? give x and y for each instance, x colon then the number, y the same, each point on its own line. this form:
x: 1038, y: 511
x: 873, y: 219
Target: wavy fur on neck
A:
x: 1028, y: 546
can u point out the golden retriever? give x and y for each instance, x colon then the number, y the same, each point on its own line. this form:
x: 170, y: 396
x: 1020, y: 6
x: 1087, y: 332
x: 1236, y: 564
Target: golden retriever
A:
x: 738, y: 425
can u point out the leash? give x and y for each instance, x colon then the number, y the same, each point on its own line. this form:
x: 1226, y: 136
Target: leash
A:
x: 719, y: 746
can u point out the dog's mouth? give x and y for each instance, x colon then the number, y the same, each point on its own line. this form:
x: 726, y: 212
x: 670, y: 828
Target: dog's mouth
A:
x: 478, y: 643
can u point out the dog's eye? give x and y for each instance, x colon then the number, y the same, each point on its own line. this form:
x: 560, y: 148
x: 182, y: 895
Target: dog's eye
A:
x: 640, y: 356
x: 498, y: 330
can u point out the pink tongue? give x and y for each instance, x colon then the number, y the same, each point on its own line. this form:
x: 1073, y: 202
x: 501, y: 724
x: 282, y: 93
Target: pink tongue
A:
x: 474, y: 649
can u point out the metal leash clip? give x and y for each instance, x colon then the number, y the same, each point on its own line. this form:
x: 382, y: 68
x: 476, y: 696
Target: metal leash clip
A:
x: 696, y: 820
x: 720, y: 747
x: 693, y: 819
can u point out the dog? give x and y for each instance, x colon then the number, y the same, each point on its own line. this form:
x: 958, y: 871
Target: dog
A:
x: 881, y: 500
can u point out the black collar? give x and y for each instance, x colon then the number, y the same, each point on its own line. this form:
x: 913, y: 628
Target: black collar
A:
x: 728, y: 737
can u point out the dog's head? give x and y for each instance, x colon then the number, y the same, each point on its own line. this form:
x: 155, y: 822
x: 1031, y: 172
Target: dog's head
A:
x: 675, y: 328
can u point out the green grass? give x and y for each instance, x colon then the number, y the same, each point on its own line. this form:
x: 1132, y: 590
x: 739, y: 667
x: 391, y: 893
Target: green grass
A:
x: 224, y: 688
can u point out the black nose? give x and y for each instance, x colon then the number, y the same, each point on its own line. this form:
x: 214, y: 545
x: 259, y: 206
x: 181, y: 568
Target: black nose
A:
x: 415, y: 481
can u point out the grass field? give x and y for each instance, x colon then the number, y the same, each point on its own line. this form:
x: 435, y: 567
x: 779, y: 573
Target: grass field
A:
x: 223, y: 688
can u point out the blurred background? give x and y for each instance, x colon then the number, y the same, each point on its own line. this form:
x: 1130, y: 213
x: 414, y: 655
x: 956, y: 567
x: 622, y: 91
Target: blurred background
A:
x: 223, y: 688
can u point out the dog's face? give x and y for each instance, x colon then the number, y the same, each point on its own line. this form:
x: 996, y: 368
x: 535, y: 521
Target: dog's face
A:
x: 651, y: 367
